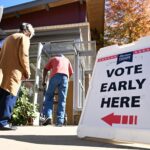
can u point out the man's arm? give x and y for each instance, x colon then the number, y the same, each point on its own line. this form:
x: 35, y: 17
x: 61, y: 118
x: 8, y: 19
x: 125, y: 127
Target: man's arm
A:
x: 47, y: 67
x: 44, y: 76
x: 70, y: 70
x: 24, y: 56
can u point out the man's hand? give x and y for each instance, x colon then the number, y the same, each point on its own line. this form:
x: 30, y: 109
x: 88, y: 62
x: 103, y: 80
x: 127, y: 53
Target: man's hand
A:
x: 44, y: 84
x: 26, y: 76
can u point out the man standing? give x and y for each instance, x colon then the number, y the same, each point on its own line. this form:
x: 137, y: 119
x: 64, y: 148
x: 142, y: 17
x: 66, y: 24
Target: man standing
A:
x: 61, y: 70
x: 14, y: 63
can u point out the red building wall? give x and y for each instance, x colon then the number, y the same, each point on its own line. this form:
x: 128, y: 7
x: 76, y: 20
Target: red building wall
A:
x: 66, y: 14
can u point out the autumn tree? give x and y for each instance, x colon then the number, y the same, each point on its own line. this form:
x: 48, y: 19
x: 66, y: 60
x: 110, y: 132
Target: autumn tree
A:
x: 126, y: 21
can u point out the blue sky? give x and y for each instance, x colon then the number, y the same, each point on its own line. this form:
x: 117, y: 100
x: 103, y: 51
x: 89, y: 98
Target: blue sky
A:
x: 8, y: 3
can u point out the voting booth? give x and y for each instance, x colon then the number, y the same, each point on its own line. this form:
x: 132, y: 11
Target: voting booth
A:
x: 117, y: 105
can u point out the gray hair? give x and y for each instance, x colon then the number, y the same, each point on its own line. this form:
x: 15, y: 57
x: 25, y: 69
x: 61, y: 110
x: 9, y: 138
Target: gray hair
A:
x: 27, y: 27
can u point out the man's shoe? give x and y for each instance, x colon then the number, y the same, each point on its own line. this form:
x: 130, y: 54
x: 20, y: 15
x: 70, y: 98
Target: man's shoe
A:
x: 59, y: 125
x: 8, y: 127
x: 41, y: 120
x: 46, y: 122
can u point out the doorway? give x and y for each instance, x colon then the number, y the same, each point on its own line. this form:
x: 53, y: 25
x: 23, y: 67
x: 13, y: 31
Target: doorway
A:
x: 82, y: 57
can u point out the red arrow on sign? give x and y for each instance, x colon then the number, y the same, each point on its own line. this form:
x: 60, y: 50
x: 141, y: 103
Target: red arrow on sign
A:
x: 118, y: 119
x: 111, y: 118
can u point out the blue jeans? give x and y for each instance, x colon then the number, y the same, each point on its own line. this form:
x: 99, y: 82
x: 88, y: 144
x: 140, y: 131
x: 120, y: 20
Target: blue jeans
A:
x: 7, y: 103
x: 59, y: 81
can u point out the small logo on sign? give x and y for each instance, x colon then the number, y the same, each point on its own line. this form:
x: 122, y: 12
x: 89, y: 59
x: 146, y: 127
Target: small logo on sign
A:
x: 125, y: 57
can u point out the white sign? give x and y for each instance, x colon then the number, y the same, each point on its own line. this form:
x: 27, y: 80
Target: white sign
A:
x: 1, y: 12
x: 118, y: 100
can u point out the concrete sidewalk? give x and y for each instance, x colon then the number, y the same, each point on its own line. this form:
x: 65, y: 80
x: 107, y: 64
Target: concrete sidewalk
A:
x: 57, y: 138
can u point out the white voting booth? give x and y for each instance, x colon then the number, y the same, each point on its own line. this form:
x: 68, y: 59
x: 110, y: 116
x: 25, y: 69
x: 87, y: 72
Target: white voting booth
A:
x: 117, y: 105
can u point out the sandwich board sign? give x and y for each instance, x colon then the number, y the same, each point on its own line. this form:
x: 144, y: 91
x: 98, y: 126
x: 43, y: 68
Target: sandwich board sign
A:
x: 117, y: 104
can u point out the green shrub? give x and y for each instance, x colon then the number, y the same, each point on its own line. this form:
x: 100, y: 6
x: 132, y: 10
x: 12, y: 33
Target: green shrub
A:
x: 24, y: 111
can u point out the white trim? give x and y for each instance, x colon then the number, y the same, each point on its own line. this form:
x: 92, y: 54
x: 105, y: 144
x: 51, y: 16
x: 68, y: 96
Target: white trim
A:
x: 55, y: 27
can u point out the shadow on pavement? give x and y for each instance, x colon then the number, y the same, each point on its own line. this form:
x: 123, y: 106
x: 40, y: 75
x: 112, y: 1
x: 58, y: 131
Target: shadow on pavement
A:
x: 66, y: 140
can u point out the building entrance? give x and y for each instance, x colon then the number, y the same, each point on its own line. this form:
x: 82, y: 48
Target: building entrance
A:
x: 82, y: 57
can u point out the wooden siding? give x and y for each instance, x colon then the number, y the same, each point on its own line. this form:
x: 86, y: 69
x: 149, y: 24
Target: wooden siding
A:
x: 95, y: 10
x: 66, y: 14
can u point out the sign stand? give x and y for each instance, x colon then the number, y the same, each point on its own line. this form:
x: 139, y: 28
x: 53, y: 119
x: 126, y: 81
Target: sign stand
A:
x: 117, y: 105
